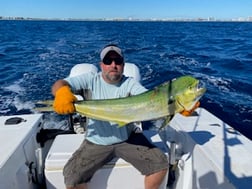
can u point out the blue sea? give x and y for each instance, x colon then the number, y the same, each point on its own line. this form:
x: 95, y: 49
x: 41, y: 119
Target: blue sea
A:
x: 34, y: 54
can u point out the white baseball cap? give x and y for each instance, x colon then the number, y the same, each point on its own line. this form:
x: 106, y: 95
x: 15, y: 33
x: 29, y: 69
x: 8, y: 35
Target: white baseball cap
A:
x: 109, y: 48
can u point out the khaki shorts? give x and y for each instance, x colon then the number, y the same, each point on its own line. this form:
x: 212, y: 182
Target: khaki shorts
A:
x: 137, y: 150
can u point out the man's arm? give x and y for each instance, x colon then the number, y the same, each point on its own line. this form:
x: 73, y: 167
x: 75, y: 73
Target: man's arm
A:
x: 58, y: 84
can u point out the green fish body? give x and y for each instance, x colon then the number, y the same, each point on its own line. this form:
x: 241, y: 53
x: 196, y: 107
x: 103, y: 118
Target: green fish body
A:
x: 164, y: 100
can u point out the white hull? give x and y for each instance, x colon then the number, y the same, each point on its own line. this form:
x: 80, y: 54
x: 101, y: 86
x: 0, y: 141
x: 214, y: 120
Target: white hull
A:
x: 210, y: 154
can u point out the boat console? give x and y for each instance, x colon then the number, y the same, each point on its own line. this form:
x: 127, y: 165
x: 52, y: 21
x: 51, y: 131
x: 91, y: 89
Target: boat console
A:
x: 18, y: 159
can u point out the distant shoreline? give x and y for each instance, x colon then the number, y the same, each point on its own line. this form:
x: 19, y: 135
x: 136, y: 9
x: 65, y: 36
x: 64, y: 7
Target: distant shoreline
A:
x: 249, y: 19
x: 98, y: 20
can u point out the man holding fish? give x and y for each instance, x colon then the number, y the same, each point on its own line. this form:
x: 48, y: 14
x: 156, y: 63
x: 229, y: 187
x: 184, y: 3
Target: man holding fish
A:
x: 105, y: 139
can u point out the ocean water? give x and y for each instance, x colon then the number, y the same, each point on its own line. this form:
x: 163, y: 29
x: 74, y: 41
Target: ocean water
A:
x: 34, y: 54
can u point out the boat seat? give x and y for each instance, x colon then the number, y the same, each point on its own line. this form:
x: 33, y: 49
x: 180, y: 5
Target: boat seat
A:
x: 130, y: 70
x: 113, y: 175
x: 82, y: 68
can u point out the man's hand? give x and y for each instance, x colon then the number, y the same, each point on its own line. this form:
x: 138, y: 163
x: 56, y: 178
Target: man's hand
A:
x: 63, y: 101
x: 189, y: 112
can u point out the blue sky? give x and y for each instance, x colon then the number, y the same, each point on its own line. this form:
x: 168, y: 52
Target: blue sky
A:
x: 222, y: 9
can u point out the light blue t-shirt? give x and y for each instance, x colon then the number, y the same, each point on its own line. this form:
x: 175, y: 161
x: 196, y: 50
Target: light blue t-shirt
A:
x: 103, y: 132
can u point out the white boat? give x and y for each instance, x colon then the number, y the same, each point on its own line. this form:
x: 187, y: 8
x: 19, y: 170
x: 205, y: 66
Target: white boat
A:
x: 204, y: 152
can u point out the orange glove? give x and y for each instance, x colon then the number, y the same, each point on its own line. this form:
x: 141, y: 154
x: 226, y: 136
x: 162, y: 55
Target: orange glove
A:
x: 63, y: 101
x: 189, y: 112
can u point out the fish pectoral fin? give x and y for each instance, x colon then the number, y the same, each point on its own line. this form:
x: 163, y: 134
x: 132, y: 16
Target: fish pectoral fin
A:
x: 121, y: 124
x: 166, y: 121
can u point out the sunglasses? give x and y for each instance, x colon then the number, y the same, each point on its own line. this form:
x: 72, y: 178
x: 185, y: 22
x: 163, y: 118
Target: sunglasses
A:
x: 118, y: 61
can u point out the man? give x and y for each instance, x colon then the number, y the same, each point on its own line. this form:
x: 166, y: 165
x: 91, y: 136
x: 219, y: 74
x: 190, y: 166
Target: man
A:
x: 105, y: 140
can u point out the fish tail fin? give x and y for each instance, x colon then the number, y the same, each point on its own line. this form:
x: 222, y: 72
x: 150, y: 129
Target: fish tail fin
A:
x: 47, y: 106
x: 45, y: 102
x: 44, y: 109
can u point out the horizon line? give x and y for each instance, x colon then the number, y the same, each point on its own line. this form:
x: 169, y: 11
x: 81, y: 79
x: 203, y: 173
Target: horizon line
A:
x: 248, y: 19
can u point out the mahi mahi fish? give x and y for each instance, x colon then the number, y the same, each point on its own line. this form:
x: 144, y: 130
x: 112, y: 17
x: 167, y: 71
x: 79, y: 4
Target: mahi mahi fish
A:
x: 164, y: 101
